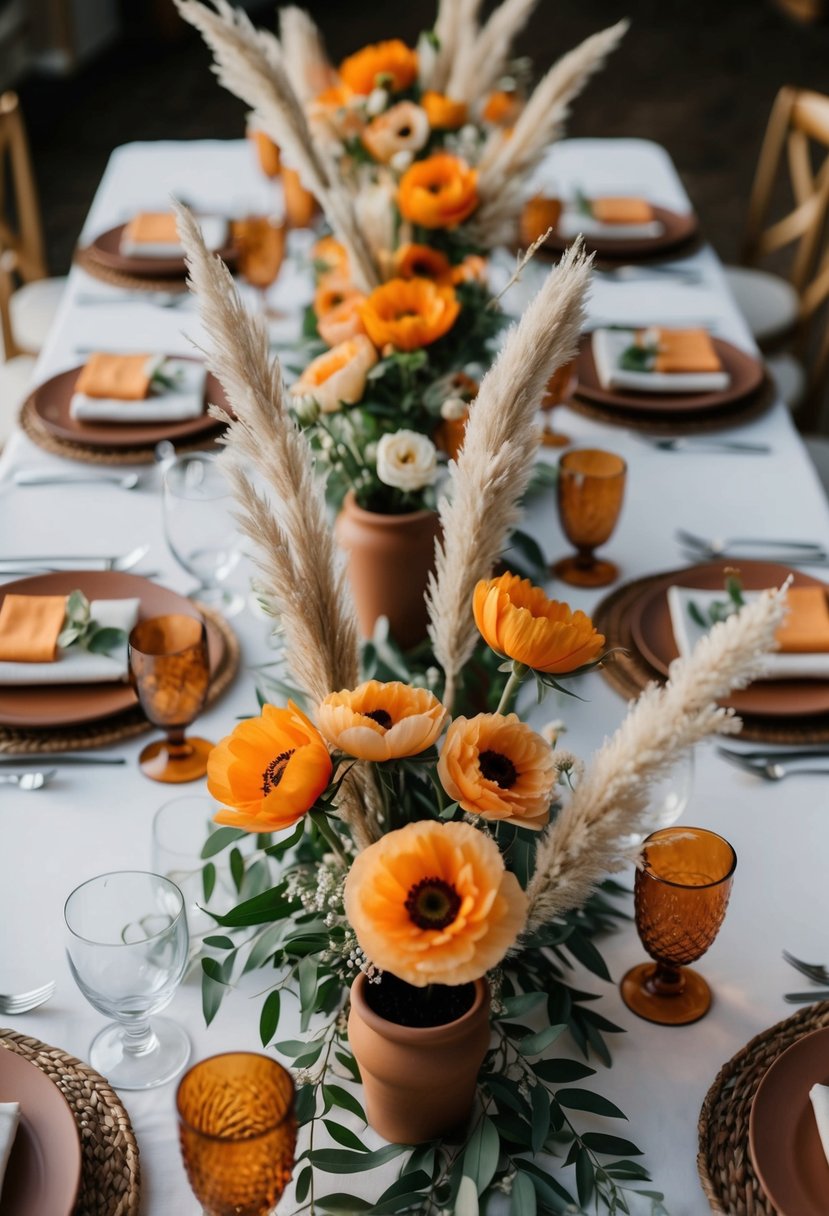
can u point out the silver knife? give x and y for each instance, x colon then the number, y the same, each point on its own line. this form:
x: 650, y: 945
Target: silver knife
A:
x: 60, y: 759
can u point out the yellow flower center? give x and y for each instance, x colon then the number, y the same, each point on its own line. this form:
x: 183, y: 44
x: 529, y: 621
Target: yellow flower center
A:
x: 273, y: 773
x: 498, y: 768
x: 381, y: 716
x: 432, y: 903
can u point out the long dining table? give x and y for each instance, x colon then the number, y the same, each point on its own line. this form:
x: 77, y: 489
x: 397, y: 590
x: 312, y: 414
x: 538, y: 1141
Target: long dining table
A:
x: 91, y: 820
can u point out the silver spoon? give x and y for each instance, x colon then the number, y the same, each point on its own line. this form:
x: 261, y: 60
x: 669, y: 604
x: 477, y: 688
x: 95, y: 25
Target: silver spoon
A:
x: 28, y: 781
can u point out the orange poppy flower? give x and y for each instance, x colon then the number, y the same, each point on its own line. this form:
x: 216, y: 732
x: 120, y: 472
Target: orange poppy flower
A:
x: 381, y: 721
x: 422, y: 262
x: 342, y: 322
x: 334, y: 97
x: 332, y: 254
x: 471, y: 270
x: 499, y: 768
x: 434, y: 903
x: 269, y: 771
x: 438, y: 192
x: 443, y: 113
x: 409, y: 313
x: 339, y: 376
x: 390, y: 64
x: 332, y: 290
x: 502, y: 108
x: 518, y: 620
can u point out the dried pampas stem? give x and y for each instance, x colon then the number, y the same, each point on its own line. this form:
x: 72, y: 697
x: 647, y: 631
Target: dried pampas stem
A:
x: 306, y: 60
x: 496, y: 461
x: 480, y: 60
x: 456, y: 26
x: 610, y: 802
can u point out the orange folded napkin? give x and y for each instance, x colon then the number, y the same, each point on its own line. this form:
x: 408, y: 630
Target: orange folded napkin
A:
x: 806, y: 628
x: 621, y: 210
x: 152, y: 228
x: 116, y: 377
x: 29, y: 628
x: 684, y: 351
x: 539, y: 214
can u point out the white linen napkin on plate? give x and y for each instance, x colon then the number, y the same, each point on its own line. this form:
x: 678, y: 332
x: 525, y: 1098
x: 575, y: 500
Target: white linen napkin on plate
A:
x: 213, y: 229
x: 819, y: 1095
x: 610, y: 344
x: 687, y: 633
x: 573, y: 221
x: 9, y: 1119
x: 177, y: 404
x: 76, y: 666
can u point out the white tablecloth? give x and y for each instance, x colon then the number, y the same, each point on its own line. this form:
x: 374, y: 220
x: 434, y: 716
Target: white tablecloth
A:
x: 92, y: 820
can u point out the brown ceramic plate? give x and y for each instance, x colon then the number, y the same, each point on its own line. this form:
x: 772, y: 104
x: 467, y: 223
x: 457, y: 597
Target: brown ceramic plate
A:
x: 44, y: 1170
x: 106, y: 249
x: 74, y: 704
x: 650, y: 625
x: 745, y: 372
x: 678, y: 228
x: 782, y: 1132
x: 53, y: 398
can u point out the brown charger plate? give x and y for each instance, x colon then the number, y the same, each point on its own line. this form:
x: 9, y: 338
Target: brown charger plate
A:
x: 652, y: 634
x: 52, y: 399
x: 746, y: 374
x: 74, y: 704
x: 783, y: 1137
x: 44, y: 1170
x: 106, y: 249
x: 678, y: 228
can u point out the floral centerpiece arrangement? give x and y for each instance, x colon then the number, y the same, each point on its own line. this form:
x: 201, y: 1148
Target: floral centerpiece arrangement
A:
x: 434, y: 871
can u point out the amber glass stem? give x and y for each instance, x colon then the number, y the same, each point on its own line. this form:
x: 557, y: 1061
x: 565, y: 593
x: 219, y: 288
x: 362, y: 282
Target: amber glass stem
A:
x: 666, y: 980
x: 179, y: 748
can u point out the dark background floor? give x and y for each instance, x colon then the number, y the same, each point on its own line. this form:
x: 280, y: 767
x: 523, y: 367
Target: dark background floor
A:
x: 699, y: 76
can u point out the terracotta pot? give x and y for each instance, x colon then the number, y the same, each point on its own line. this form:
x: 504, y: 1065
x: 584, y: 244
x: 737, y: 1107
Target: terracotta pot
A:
x: 389, y: 561
x: 418, y: 1083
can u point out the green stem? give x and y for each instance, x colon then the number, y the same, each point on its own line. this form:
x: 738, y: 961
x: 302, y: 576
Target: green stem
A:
x: 330, y: 836
x: 519, y: 670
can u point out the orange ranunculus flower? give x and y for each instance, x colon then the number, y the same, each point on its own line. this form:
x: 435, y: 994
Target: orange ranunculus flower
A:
x: 434, y: 903
x: 332, y: 254
x: 269, y: 771
x: 517, y: 620
x: 332, y: 290
x: 443, y: 113
x: 267, y: 152
x: 403, y: 128
x: 300, y: 204
x: 422, y: 262
x: 334, y: 97
x: 471, y: 270
x: 502, y: 108
x: 499, y: 768
x: 409, y: 313
x: 381, y: 721
x: 539, y: 213
x: 392, y: 61
x: 339, y: 376
x: 438, y: 192
x: 343, y: 321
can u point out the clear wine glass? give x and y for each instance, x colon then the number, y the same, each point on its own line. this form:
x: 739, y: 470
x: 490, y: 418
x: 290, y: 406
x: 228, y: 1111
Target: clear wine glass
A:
x: 199, y: 527
x: 127, y: 946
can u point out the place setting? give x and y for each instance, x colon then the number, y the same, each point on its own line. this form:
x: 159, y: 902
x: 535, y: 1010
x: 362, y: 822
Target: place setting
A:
x: 616, y: 227
x: 144, y: 253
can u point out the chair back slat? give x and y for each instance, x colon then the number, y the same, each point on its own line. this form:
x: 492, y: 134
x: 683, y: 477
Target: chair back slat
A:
x: 22, y: 232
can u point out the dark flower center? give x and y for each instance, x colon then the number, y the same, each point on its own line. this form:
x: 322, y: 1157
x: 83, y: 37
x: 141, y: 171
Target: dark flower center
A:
x: 381, y: 716
x: 404, y: 132
x: 273, y: 773
x: 498, y: 768
x: 432, y: 903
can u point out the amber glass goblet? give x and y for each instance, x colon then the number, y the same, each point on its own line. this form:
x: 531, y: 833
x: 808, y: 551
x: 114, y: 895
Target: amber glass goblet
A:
x: 591, y: 486
x: 260, y: 248
x: 170, y: 672
x: 681, y: 893
x: 560, y: 388
x: 237, y: 1131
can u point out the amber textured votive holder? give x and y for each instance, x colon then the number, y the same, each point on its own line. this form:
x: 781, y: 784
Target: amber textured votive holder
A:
x: 237, y: 1131
x: 170, y: 672
x: 591, y: 487
x: 681, y: 893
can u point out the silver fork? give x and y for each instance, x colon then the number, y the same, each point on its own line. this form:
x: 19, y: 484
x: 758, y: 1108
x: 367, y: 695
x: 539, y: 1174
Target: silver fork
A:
x: 28, y: 781
x: 12, y: 1003
x: 703, y: 445
x: 813, y: 971
x: 161, y: 299
x: 772, y: 771
x: 121, y: 562
x: 621, y: 274
x: 719, y: 547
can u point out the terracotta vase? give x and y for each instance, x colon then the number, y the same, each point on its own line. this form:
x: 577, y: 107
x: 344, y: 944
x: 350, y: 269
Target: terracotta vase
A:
x: 418, y: 1083
x: 389, y: 561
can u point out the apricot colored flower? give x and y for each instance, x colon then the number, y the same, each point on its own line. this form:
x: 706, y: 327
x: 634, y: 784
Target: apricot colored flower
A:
x: 518, y: 620
x: 443, y: 113
x: 331, y: 254
x: 502, y: 108
x: 471, y: 270
x: 300, y: 204
x: 422, y: 262
x: 403, y: 128
x: 339, y: 376
x: 434, y: 903
x: 409, y: 313
x: 332, y: 290
x: 269, y: 771
x: 390, y: 64
x: 343, y: 321
x: 438, y: 192
x: 267, y: 152
x: 381, y: 721
x: 498, y: 767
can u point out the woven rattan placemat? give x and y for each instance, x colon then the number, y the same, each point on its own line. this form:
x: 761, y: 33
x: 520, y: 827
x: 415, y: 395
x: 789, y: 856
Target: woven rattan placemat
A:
x: 724, y: 1162
x: 110, y: 1173
x: 629, y: 673
x: 121, y: 726
x: 86, y: 259
x: 663, y: 424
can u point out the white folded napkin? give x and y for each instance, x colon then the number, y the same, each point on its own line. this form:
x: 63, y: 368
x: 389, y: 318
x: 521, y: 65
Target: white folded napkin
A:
x: 76, y: 666
x: 573, y: 221
x: 9, y: 1119
x: 687, y: 633
x: 213, y: 228
x: 819, y: 1095
x: 610, y: 344
x: 177, y: 404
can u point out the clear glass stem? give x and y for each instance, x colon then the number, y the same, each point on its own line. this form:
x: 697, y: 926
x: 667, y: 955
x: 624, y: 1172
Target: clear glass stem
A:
x: 139, y: 1037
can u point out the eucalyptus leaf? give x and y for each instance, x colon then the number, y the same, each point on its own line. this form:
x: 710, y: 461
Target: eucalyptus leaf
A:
x: 585, y: 1099
x: 335, y: 1095
x: 105, y: 640
x: 343, y: 1161
x: 466, y: 1201
x: 208, y: 880
x: 344, y: 1136
x: 219, y: 840
x: 269, y: 1017
x: 480, y: 1158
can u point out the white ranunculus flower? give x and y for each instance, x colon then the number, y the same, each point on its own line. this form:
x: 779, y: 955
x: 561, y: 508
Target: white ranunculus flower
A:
x: 406, y: 460
x: 453, y: 409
